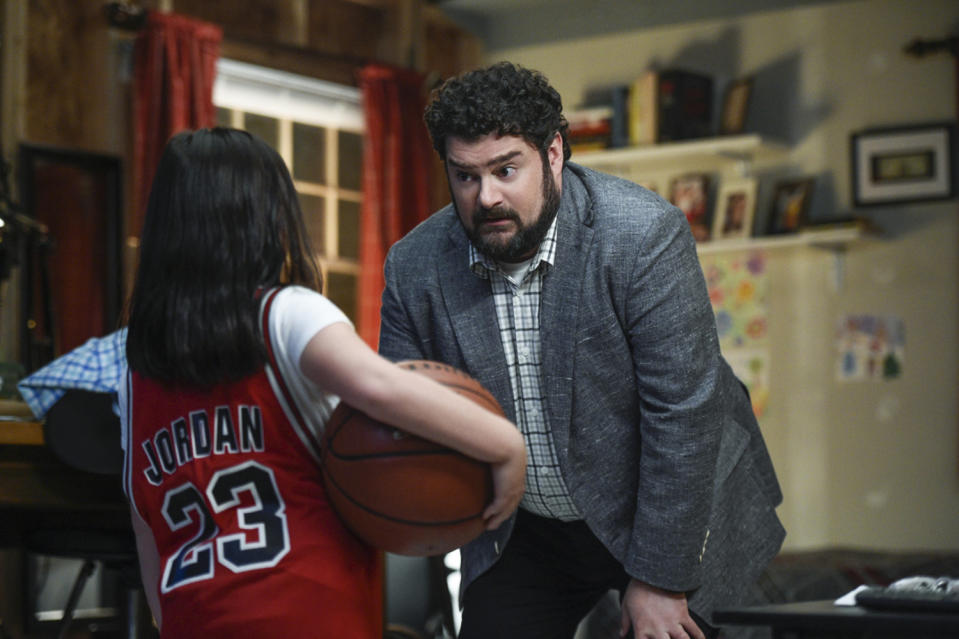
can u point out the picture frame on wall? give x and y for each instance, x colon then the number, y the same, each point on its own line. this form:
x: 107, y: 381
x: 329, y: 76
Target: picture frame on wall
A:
x: 735, y: 209
x: 898, y: 165
x: 789, y: 206
x: 732, y: 118
x: 690, y: 193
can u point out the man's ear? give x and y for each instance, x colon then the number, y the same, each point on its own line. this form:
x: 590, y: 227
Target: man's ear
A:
x: 554, y: 154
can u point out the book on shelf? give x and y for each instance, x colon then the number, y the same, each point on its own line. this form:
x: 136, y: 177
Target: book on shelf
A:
x: 619, y: 133
x: 590, y: 127
x: 685, y: 105
x: 643, y: 113
x: 587, y: 146
x: 670, y: 105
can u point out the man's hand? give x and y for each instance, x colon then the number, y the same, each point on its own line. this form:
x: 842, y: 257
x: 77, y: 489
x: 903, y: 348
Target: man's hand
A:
x: 656, y: 614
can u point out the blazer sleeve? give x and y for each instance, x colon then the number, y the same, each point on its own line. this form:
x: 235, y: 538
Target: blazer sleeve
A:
x: 672, y: 334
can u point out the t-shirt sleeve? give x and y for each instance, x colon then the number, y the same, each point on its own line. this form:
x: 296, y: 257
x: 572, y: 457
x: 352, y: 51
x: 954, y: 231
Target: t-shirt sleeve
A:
x: 298, y: 315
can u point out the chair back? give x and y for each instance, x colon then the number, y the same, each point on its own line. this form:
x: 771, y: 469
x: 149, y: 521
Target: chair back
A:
x: 82, y: 430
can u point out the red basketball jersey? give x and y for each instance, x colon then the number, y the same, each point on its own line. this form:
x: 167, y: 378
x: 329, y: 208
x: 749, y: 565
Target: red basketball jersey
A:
x: 248, y: 545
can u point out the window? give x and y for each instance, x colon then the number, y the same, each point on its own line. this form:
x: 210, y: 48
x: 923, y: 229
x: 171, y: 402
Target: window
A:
x: 317, y: 128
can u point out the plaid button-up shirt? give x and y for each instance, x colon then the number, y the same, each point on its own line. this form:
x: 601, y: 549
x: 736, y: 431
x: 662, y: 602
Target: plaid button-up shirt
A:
x: 517, y: 300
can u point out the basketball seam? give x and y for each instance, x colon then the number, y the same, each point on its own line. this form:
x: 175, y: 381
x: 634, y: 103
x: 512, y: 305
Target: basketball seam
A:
x: 394, y: 519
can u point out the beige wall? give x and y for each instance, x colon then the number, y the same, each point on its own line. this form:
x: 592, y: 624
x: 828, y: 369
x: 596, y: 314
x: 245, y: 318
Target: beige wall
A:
x: 868, y: 464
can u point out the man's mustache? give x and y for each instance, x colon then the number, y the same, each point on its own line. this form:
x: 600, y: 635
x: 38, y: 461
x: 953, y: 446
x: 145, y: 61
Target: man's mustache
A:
x: 483, y: 214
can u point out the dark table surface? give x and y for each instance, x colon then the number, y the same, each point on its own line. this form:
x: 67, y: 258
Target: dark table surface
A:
x: 824, y: 615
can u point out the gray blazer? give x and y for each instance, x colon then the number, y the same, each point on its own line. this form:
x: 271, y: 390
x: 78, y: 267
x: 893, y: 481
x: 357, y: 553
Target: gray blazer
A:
x: 656, y: 437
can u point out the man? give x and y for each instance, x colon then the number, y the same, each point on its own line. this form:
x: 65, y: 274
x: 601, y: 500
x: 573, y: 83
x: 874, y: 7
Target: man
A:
x: 577, y: 299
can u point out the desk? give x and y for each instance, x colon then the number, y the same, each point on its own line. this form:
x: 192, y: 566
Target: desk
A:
x: 38, y: 491
x: 17, y: 425
x: 31, y: 477
x: 822, y: 619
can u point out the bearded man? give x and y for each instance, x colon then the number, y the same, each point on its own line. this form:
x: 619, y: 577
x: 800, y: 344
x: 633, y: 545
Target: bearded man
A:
x: 578, y: 300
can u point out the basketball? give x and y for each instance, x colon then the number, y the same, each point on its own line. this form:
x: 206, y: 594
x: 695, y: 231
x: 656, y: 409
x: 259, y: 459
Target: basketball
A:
x: 401, y: 493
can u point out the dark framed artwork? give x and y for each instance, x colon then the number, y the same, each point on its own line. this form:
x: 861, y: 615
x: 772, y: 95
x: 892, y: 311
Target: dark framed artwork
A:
x: 72, y: 284
x: 732, y: 119
x: 903, y: 164
x: 789, y: 207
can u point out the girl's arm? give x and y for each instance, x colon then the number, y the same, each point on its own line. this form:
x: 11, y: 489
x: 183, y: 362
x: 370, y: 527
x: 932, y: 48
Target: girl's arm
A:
x: 338, y: 361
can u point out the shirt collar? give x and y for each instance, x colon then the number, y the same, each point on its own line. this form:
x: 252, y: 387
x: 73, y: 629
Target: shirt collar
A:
x: 545, y: 255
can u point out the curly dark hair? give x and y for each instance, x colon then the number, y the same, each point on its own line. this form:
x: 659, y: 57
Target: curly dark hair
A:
x: 505, y: 99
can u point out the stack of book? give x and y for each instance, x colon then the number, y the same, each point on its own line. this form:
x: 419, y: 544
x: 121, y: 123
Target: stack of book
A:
x: 590, y: 128
x: 658, y: 106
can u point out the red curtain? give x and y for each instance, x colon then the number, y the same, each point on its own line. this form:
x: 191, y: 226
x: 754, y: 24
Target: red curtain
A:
x: 174, y: 68
x: 396, y: 178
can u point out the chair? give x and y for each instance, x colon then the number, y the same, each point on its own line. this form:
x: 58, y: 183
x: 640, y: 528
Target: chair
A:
x: 82, y: 430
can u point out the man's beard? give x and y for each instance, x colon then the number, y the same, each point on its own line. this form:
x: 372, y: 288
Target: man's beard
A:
x: 526, y: 239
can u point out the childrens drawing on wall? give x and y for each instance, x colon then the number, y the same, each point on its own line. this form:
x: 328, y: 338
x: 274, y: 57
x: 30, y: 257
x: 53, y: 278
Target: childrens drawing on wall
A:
x: 737, y: 289
x: 869, y: 347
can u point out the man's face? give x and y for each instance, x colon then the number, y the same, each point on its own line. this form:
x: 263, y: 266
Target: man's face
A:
x: 504, y: 194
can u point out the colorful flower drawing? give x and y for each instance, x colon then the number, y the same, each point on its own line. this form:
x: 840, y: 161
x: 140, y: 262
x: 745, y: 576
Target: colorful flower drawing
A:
x: 737, y: 290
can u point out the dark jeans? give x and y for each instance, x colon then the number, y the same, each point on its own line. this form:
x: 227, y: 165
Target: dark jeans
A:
x: 550, y: 576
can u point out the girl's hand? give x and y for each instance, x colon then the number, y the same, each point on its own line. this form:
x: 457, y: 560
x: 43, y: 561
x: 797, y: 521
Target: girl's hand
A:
x: 509, y: 483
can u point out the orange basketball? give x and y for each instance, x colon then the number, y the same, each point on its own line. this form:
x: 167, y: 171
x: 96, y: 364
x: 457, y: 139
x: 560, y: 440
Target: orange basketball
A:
x: 401, y: 493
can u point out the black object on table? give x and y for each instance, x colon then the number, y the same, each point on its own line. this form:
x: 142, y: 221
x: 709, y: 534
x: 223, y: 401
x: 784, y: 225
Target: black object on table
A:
x: 822, y: 619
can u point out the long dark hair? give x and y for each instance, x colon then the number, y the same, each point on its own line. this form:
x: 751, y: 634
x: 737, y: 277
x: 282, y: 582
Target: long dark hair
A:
x: 223, y: 221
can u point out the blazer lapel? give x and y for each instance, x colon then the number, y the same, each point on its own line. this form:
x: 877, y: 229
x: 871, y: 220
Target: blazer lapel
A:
x: 473, y: 317
x: 563, y: 294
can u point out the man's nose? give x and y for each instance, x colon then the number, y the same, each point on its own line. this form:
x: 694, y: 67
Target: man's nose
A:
x: 490, y: 194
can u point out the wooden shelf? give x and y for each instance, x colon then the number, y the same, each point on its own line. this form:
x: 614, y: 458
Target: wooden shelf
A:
x: 833, y: 239
x: 718, y: 151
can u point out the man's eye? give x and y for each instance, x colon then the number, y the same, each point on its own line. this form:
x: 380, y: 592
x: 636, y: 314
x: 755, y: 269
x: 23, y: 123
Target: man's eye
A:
x: 507, y: 171
x: 464, y: 177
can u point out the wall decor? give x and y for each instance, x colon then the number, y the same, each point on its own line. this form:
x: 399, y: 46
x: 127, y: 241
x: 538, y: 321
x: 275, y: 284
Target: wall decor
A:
x: 869, y: 347
x: 735, y: 209
x: 690, y: 192
x: 904, y: 164
x: 790, y: 205
x: 738, y: 285
x: 732, y: 119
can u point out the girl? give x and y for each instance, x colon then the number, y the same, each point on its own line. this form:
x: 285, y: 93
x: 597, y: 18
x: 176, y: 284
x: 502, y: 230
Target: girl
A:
x: 236, y: 362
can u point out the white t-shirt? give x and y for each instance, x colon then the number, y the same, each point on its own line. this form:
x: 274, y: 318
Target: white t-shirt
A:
x: 298, y: 314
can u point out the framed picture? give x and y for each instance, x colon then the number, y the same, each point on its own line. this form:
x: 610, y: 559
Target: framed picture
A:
x: 735, y: 209
x: 899, y: 165
x: 732, y: 119
x: 690, y: 193
x: 72, y: 285
x: 790, y: 205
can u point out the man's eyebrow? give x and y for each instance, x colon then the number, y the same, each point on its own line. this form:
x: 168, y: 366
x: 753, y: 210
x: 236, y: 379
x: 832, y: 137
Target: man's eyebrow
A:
x: 498, y: 160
